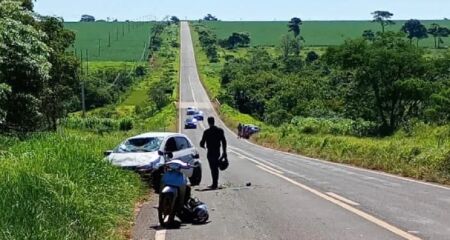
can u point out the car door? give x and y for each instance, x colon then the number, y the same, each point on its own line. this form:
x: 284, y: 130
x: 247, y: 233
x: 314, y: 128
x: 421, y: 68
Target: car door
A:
x: 185, y: 149
x: 171, y: 147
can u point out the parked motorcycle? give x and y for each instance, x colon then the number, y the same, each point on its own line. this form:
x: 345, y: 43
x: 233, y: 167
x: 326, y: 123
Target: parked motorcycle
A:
x: 175, y: 191
x: 155, y: 172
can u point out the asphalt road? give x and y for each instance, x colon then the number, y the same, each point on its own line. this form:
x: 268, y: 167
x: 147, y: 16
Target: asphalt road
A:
x: 294, y: 197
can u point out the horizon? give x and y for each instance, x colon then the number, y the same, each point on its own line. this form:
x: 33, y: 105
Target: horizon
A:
x: 250, y: 10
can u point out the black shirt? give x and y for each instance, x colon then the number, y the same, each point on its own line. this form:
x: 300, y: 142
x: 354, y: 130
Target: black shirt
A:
x: 213, y: 137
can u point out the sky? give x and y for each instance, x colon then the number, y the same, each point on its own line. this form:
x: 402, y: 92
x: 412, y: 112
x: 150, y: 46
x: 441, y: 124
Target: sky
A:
x: 250, y: 10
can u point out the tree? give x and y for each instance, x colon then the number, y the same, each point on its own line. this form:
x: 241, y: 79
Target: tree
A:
x: 238, y: 39
x: 87, y: 18
x: 175, y: 19
x: 24, y: 68
x: 290, y: 49
x: 210, y: 17
x: 286, y: 46
x: 368, y: 35
x: 311, y: 57
x: 438, y: 33
x: 294, y: 26
x: 61, y: 93
x: 414, y: 29
x: 388, y: 76
x: 383, y: 18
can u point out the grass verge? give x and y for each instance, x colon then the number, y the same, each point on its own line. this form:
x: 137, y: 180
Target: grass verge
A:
x: 56, y: 186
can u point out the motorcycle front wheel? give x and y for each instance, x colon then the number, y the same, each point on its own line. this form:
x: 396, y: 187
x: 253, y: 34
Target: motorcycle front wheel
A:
x: 166, y: 212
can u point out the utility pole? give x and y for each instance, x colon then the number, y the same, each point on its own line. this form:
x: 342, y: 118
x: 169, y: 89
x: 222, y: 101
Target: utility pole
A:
x: 109, y: 39
x: 123, y: 30
x: 83, y: 102
x: 87, y: 62
x: 99, y: 46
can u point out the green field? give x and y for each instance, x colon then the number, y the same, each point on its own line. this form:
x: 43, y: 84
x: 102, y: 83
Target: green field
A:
x: 315, y: 33
x: 128, y: 40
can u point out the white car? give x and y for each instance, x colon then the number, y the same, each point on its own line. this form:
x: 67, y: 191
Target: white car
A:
x: 150, y: 151
x: 191, y: 111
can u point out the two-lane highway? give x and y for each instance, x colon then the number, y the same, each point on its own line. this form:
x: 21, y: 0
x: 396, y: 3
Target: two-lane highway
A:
x: 294, y: 197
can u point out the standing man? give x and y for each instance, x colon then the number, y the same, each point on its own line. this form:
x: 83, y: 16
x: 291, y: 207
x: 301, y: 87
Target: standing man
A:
x: 214, y: 137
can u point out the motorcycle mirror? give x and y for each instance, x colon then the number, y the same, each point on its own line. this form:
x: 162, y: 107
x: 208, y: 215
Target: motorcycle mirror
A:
x: 107, y: 153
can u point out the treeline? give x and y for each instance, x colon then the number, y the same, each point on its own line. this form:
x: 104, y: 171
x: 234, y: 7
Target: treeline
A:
x: 38, y: 77
x: 413, y: 29
x: 375, y: 85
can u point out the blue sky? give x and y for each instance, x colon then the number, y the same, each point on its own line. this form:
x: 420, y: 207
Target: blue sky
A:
x: 244, y: 9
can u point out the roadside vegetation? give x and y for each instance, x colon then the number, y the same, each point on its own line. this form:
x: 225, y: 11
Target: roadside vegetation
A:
x: 378, y: 101
x: 53, y: 179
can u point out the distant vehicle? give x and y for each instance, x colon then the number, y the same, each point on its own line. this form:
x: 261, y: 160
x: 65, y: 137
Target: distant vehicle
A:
x: 190, y: 123
x: 253, y: 128
x: 199, y: 115
x: 248, y: 130
x: 191, y: 111
x: 145, y: 150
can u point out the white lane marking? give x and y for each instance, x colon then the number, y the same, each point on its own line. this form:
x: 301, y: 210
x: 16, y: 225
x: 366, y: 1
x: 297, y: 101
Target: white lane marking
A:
x: 356, y: 168
x: 270, y: 168
x: 238, y: 152
x: 348, y: 207
x: 265, y: 169
x: 160, y: 235
x: 256, y: 162
x: 192, y: 90
x: 343, y: 199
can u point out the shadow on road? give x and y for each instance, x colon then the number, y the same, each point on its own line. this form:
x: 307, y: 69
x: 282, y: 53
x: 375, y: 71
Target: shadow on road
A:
x: 176, y: 225
x: 209, y: 189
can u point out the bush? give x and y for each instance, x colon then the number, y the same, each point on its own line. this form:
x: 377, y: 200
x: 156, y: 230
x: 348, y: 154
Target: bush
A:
x: 91, y: 123
x: 126, y: 124
x: 335, y: 126
x: 140, y: 71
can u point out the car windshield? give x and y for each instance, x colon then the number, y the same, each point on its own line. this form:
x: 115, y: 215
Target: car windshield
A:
x: 148, y: 144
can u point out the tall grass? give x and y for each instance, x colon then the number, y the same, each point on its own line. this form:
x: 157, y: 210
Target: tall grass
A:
x: 421, y: 152
x: 57, y: 186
